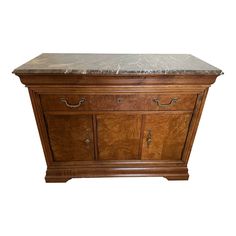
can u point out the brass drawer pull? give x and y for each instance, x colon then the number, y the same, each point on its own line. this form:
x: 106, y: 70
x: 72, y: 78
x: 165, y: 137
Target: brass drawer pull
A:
x: 81, y: 101
x: 172, y: 101
x: 149, y: 138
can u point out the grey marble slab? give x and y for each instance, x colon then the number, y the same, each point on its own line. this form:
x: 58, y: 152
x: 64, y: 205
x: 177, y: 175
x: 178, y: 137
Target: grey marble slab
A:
x: 117, y: 64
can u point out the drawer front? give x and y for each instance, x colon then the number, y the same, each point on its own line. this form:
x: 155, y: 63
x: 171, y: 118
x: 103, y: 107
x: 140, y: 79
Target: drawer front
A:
x: 119, y: 102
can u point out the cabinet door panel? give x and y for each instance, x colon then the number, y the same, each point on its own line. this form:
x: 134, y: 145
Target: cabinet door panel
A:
x: 164, y: 136
x: 118, y: 136
x: 71, y: 137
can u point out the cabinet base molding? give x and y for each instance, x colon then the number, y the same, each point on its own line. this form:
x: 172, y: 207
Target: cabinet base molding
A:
x: 58, y: 175
x: 56, y: 179
x: 177, y: 177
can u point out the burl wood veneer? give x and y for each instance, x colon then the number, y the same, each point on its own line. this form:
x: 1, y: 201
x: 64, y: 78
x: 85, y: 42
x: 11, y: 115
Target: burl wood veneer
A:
x: 102, y: 115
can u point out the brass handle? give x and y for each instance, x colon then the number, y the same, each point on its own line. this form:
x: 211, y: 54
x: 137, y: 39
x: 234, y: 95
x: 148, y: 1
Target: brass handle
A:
x: 172, y: 101
x: 81, y: 101
x: 149, y: 137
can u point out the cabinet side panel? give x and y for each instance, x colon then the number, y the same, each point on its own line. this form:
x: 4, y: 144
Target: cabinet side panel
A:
x: 194, y: 125
x: 38, y: 113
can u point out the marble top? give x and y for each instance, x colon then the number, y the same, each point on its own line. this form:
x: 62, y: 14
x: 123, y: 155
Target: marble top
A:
x: 117, y: 64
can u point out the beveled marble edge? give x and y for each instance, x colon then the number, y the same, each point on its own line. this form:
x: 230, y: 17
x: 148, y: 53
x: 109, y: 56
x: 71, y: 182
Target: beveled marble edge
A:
x: 114, y: 72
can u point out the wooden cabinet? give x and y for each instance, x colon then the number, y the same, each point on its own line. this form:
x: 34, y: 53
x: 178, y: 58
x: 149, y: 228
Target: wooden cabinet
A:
x: 117, y: 123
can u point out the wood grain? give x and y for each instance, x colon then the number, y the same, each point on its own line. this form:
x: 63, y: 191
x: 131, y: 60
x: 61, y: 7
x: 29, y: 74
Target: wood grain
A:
x: 118, y: 136
x: 71, y: 137
x: 50, y: 79
x: 38, y: 113
x: 168, y: 133
x: 194, y: 124
x: 120, y: 102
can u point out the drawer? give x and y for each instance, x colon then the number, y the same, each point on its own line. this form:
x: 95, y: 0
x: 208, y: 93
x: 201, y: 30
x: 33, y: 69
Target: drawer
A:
x: 119, y: 102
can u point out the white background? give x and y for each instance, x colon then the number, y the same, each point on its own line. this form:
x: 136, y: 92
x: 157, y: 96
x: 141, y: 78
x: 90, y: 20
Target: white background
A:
x: 204, y: 205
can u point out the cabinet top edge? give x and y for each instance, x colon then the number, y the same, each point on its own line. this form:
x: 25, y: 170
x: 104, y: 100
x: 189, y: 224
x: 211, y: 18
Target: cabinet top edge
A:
x: 117, y: 64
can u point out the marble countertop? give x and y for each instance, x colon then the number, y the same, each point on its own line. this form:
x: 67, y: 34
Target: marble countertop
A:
x: 117, y: 64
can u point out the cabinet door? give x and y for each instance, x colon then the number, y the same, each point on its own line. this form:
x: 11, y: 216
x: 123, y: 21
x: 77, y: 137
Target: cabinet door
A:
x: 164, y: 136
x: 118, y: 136
x: 71, y: 137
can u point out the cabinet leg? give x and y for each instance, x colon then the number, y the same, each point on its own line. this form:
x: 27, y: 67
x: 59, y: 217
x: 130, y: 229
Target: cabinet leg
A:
x: 177, y: 177
x: 49, y: 179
